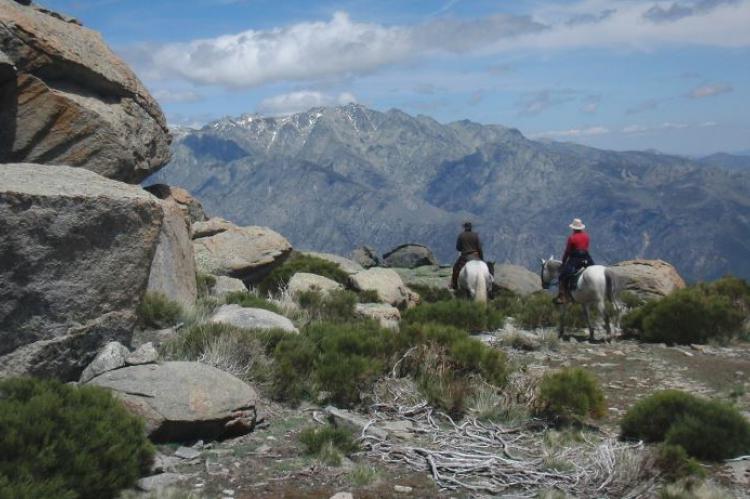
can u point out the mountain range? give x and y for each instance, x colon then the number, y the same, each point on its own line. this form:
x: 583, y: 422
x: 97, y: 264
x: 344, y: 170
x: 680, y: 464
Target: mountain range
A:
x: 332, y: 179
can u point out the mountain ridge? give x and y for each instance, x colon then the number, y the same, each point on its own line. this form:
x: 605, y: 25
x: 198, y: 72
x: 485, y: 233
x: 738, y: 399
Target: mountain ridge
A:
x: 335, y: 178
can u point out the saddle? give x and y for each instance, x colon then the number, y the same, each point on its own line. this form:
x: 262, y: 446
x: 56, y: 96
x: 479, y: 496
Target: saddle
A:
x: 573, y: 279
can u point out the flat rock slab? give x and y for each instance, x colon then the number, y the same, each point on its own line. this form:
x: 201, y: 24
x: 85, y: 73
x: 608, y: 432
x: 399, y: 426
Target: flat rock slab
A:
x: 387, y: 283
x: 517, y: 279
x: 246, y: 253
x: 345, y: 264
x: 75, y: 254
x: 252, y: 318
x: 183, y: 401
x: 387, y: 315
x: 112, y: 356
x: 154, y: 483
x: 303, y: 281
x: 73, y: 101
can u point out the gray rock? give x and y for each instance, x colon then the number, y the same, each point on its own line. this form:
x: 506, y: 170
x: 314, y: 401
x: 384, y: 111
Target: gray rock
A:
x: 225, y: 285
x: 187, y: 453
x: 517, y: 279
x: 354, y: 422
x: 348, y: 266
x: 387, y: 315
x: 410, y: 256
x: 342, y: 495
x: 74, y: 263
x: 648, y: 279
x: 247, y: 253
x: 155, y: 336
x: 366, y: 257
x: 145, y: 354
x: 302, y: 282
x: 74, y: 101
x: 387, y: 283
x: 252, y: 318
x: 211, y: 227
x: 192, y: 208
x: 154, y: 483
x: 173, y: 267
x: 182, y: 401
x: 112, y: 356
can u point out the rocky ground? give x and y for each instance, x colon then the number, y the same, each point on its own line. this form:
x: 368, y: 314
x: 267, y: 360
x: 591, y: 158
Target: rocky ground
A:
x: 270, y: 462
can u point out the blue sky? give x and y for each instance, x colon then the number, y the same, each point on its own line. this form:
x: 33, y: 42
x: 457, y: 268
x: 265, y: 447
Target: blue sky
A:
x: 621, y: 74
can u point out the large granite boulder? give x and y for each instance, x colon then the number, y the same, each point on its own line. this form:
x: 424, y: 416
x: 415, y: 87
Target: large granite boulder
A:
x: 191, y: 206
x: 366, y: 257
x: 410, y: 256
x: 648, y: 279
x: 519, y: 280
x: 247, y: 253
x: 173, y: 267
x: 72, y: 101
x: 388, y: 316
x: 75, y: 254
x: 302, y: 282
x: 346, y: 265
x: 225, y: 285
x: 184, y: 401
x: 388, y: 285
x: 252, y: 318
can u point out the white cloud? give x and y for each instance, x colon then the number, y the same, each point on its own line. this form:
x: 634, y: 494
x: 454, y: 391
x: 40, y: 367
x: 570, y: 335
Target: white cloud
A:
x: 668, y: 125
x: 303, y: 100
x: 710, y: 90
x: 574, y: 132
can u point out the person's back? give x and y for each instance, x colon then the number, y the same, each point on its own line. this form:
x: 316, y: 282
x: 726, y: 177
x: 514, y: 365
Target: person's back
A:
x: 469, y: 247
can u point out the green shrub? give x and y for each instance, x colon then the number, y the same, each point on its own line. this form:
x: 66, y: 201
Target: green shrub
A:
x: 204, y: 283
x: 535, y: 311
x: 445, y: 391
x: 709, y: 430
x: 631, y: 300
x: 298, y: 262
x: 328, y: 443
x: 250, y: 300
x: 368, y: 296
x: 691, y: 315
x: 431, y: 294
x: 335, y: 306
x: 675, y: 464
x: 64, y: 441
x: 571, y: 394
x: 464, y: 314
x: 158, y: 311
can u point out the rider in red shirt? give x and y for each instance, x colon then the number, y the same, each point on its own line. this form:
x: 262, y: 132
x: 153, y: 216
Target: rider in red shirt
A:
x: 575, y: 257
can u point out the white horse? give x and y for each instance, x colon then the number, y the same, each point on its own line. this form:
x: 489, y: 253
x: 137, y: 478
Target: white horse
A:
x: 594, y: 286
x: 476, y: 280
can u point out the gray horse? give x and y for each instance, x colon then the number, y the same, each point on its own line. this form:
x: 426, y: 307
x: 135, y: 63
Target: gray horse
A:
x: 594, y: 286
x: 475, y: 280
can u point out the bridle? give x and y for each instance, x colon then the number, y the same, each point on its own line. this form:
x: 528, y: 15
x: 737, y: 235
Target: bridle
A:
x: 551, y: 282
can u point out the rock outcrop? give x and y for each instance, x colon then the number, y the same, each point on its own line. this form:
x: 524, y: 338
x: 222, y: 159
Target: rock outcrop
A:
x: 184, y: 400
x: 191, y: 206
x: 173, y: 267
x: 366, y: 257
x: 75, y: 255
x: 70, y: 100
x: 252, y: 318
x: 410, y: 256
x: 388, y: 285
x: 387, y: 315
x: 246, y: 253
x: 348, y: 266
x: 648, y: 279
x: 517, y: 279
x: 225, y: 285
x: 302, y: 282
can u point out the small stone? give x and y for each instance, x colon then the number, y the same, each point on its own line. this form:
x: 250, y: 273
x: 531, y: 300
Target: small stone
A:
x: 342, y: 495
x: 263, y: 449
x: 402, y: 489
x: 187, y: 453
x: 687, y: 354
x: 145, y: 354
x: 156, y: 482
x: 227, y: 492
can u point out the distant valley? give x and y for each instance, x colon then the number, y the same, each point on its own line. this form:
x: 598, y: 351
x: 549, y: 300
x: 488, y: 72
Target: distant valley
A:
x: 332, y: 179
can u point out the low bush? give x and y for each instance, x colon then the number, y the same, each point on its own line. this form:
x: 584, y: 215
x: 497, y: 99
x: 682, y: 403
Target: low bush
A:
x: 691, y: 315
x: 430, y: 294
x: 328, y: 443
x: 674, y: 463
x: 297, y: 262
x: 158, y: 311
x: 250, y: 300
x: 708, y: 430
x: 368, y: 296
x: 67, y: 442
x: 571, y: 394
x: 445, y: 391
x: 334, y: 306
x: 463, y: 314
x: 204, y: 283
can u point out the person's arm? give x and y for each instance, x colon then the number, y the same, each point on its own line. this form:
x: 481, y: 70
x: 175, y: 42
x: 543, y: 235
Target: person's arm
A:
x: 479, y: 246
x: 459, y: 246
x: 568, y: 249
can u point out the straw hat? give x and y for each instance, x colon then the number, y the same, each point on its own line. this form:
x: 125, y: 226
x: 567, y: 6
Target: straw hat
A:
x: 576, y: 224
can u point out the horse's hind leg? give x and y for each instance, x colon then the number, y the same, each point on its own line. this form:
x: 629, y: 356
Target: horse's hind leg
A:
x: 592, y: 330
x: 561, y: 329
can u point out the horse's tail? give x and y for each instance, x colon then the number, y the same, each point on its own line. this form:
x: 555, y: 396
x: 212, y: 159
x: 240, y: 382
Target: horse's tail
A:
x: 612, y: 285
x: 480, y: 290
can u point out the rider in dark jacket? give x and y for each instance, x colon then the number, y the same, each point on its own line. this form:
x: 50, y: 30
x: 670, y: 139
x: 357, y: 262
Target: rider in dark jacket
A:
x: 576, y: 256
x: 470, y: 248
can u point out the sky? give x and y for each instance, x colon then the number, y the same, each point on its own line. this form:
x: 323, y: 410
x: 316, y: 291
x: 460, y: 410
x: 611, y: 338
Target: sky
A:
x: 672, y: 76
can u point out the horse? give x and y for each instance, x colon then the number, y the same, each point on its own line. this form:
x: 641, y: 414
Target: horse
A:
x: 595, y: 285
x: 476, y: 280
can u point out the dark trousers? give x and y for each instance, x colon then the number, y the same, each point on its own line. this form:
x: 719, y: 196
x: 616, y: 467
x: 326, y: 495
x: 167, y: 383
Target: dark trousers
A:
x: 572, y: 265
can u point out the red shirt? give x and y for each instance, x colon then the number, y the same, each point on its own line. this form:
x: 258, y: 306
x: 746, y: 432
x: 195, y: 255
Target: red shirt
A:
x: 578, y: 241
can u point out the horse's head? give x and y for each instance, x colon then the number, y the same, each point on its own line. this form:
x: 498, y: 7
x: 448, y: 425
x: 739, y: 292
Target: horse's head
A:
x: 549, y: 272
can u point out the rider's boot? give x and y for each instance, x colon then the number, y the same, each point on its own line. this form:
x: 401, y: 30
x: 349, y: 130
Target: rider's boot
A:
x: 562, y: 297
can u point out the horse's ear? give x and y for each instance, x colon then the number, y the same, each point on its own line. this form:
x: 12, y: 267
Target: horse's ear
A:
x: 542, y: 261
x: 551, y: 257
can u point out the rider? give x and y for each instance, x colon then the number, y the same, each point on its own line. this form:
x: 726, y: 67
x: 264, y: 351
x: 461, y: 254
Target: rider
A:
x: 470, y: 247
x: 576, y: 256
